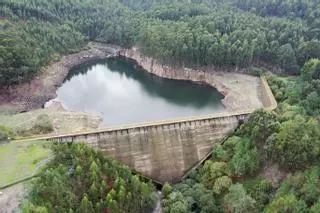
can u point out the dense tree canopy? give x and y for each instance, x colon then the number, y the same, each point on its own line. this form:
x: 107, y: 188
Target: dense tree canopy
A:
x: 81, y: 180
x: 271, y: 163
x: 282, y: 34
x: 242, y: 172
x: 27, y: 46
x: 235, y: 174
x: 193, y: 33
x: 303, y: 9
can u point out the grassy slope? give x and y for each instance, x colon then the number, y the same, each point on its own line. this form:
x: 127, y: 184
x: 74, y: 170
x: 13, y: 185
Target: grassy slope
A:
x: 19, y: 160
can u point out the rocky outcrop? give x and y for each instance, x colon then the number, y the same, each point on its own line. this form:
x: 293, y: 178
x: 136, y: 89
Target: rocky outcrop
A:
x: 241, y: 91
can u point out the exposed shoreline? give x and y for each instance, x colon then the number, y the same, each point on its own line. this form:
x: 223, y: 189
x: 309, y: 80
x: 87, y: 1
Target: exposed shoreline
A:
x: 241, y: 91
x: 42, y: 88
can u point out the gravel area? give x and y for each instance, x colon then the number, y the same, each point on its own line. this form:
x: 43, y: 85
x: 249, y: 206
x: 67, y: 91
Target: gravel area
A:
x: 63, y: 121
x: 10, y: 198
x: 243, y: 91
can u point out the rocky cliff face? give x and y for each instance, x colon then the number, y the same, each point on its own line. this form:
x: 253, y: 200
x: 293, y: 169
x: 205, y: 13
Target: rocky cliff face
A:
x: 241, y: 91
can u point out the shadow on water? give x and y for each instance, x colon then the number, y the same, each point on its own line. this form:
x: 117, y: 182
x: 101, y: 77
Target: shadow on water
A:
x: 178, y: 92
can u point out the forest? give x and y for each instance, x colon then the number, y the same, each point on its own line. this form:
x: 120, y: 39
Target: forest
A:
x: 80, y: 179
x: 270, y: 164
x: 233, y: 33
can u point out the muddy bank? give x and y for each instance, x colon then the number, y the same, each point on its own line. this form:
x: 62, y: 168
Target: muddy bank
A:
x: 241, y: 91
x: 34, y: 94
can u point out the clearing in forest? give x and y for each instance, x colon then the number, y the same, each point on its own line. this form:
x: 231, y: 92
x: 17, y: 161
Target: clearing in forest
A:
x: 21, y: 160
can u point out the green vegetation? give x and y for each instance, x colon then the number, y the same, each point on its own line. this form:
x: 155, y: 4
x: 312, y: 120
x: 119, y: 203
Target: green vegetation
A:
x: 234, y: 176
x: 12, y: 126
x: 42, y: 125
x: 183, y: 32
x: 270, y: 164
x: 237, y: 173
x: 5, y: 133
x: 19, y: 160
x: 298, y: 192
x: 26, y: 46
x: 282, y: 35
x: 80, y: 179
x: 302, y: 9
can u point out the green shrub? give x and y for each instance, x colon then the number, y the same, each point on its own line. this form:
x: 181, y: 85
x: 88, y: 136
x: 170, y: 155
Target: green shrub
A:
x: 24, y: 132
x: 297, y: 143
x: 56, y: 57
x: 3, y: 136
x: 256, y: 71
x: 245, y: 160
x: 43, y: 125
x: 221, y: 184
x: 166, y: 190
x: 259, y: 189
x: 283, y: 89
x: 5, y: 133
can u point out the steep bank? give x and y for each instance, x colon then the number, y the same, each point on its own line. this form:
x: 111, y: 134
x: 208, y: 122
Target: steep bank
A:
x: 242, y: 92
x: 34, y: 94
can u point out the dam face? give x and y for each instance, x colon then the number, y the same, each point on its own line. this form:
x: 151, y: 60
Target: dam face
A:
x: 163, y: 152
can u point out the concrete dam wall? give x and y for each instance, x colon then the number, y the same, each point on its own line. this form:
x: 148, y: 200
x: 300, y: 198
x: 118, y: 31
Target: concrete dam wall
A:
x: 163, y: 151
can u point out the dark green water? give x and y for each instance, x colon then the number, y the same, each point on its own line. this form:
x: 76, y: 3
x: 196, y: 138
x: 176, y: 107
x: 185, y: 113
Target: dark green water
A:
x: 125, y: 94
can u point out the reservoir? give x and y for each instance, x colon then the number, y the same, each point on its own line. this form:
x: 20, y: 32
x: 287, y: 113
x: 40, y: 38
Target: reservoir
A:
x: 124, y: 94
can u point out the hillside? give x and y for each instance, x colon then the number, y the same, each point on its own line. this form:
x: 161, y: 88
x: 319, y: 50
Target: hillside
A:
x: 270, y: 164
x: 193, y: 33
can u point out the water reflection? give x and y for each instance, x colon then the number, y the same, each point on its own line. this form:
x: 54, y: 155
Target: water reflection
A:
x: 125, y: 94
